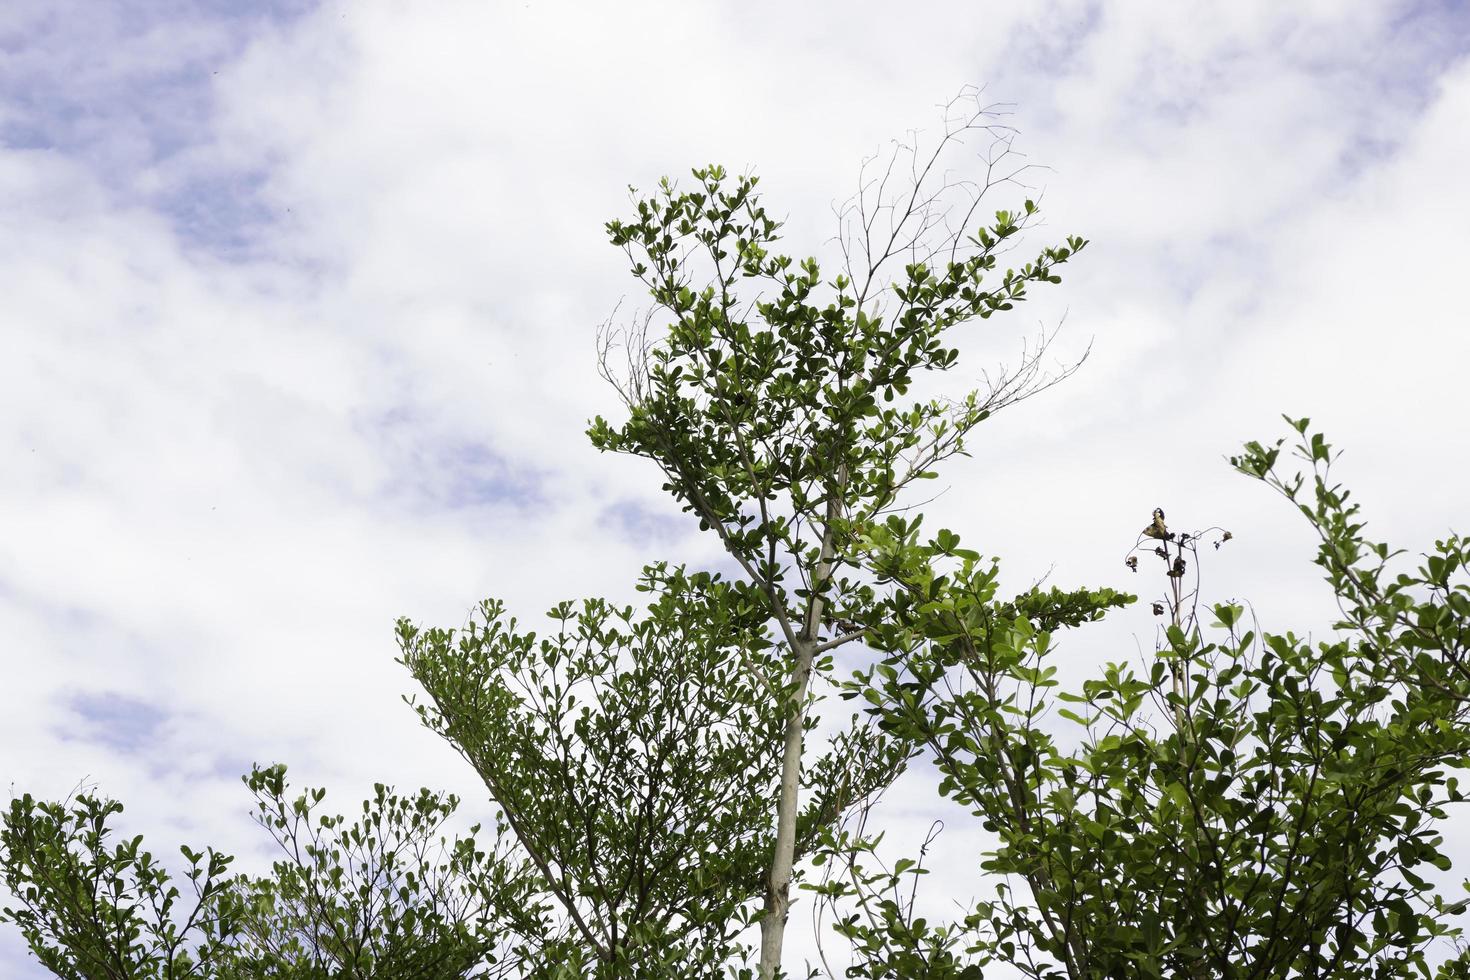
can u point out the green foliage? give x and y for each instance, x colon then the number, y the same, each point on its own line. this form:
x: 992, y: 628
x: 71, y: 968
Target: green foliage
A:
x: 777, y: 405
x: 631, y: 754
x: 384, y: 898
x: 652, y: 768
x: 628, y: 753
x: 773, y: 403
x: 388, y: 896
x: 92, y: 908
x: 1245, y: 805
x: 888, y: 940
x: 1241, y: 805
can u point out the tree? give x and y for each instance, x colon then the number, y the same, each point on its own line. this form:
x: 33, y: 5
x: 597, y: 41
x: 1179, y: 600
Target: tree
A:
x: 777, y: 406
x: 656, y: 771
x: 626, y: 752
x: 1246, y: 804
x: 91, y: 910
x: 387, y: 897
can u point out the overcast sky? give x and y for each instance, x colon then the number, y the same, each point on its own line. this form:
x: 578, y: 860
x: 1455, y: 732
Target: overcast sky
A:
x: 299, y: 307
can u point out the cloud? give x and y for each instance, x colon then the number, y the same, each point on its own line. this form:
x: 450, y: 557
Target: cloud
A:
x: 306, y: 344
x: 121, y: 723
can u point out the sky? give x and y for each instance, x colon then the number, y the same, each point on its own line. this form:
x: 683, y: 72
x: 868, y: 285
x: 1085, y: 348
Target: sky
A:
x: 300, y: 307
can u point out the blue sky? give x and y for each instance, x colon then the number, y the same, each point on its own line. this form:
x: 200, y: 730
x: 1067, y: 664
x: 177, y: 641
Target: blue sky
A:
x: 301, y: 304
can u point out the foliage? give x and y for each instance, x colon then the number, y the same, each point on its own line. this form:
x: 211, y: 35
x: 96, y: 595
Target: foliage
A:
x: 777, y: 403
x: 92, y: 908
x: 384, y: 898
x: 888, y: 940
x: 773, y: 406
x: 1245, y: 805
x: 654, y: 769
x: 630, y: 755
x: 388, y: 897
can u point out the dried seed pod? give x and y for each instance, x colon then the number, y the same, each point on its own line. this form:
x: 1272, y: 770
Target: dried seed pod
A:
x: 1157, y: 528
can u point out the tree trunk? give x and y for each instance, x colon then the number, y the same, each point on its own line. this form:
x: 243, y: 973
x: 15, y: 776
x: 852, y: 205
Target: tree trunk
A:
x: 783, y: 858
x: 778, y: 885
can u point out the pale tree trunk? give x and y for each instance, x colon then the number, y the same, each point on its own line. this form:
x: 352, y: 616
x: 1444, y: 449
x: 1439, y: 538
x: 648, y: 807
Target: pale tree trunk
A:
x: 783, y: 859
x: 778, y: 885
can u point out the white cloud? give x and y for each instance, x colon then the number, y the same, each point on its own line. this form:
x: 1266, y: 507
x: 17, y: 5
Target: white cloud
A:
x: 324, y: 356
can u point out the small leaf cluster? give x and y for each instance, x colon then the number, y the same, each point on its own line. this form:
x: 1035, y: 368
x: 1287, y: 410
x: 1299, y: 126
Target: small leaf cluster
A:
x: 888, y: 939
x: 1419, y: 618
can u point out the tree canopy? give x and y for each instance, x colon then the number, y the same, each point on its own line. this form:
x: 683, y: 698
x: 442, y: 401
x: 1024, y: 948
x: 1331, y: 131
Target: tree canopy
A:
x: 666, y: 779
